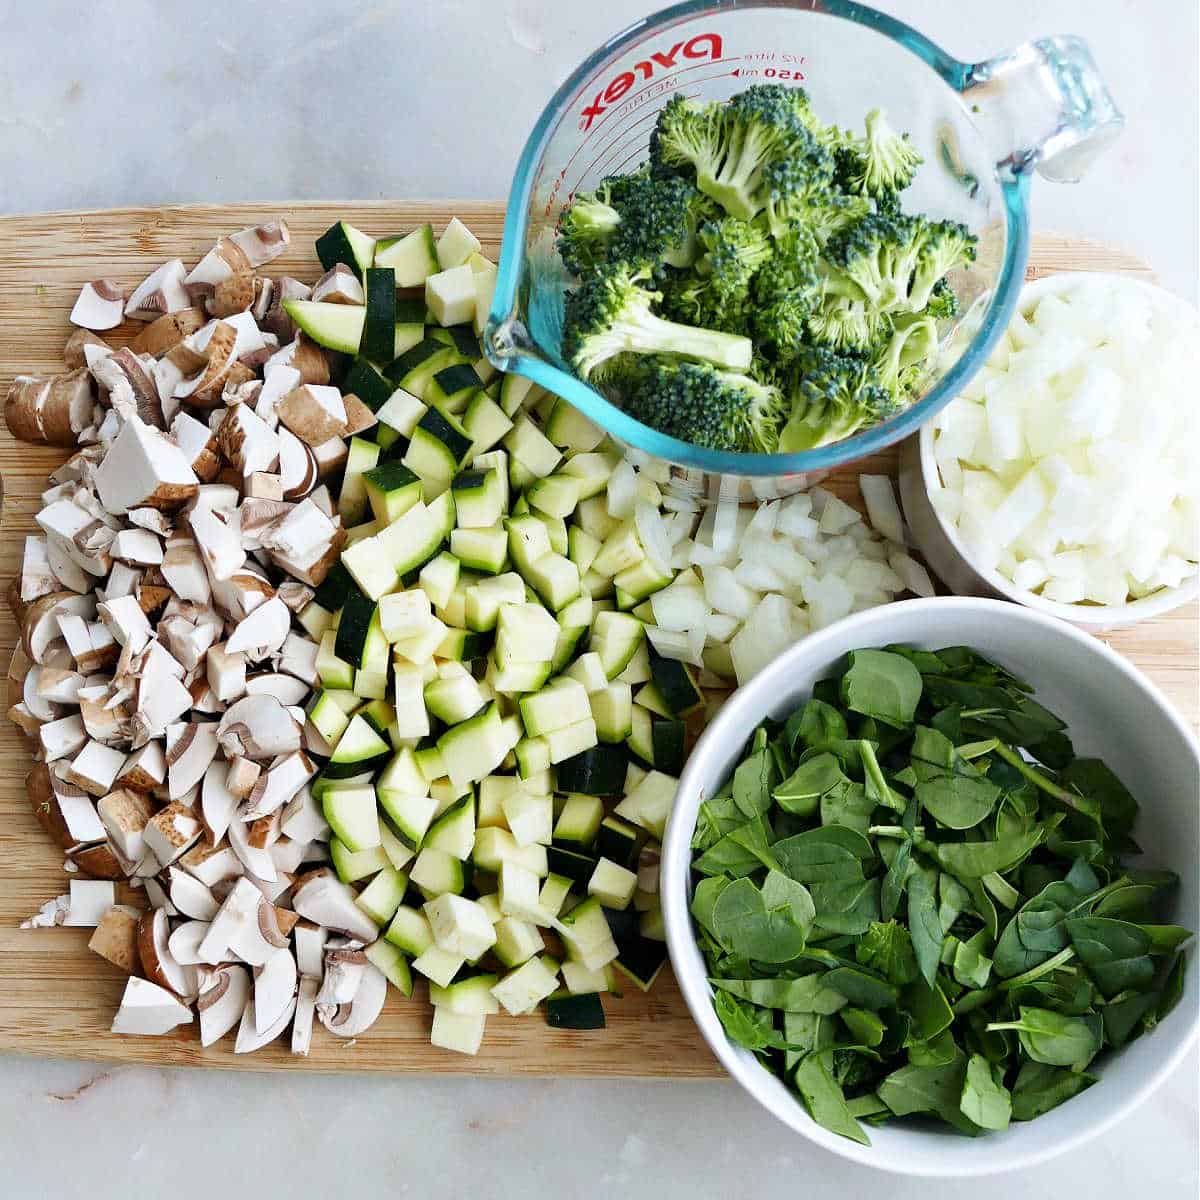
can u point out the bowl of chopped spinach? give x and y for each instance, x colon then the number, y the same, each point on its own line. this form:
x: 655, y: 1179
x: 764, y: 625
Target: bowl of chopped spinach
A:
x: 930, y: 887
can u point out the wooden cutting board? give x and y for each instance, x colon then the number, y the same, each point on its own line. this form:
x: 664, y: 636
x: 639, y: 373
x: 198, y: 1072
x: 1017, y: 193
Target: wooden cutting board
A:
x: 56, y: 998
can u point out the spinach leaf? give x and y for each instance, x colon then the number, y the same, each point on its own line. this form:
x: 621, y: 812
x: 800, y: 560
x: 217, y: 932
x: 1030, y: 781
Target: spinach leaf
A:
x: 704, y: 898
x: 816, y: 725
x: 808, y: 994
x: 752, y: 783
x: 1116, y: 953
x: 824, y: 1098
x: 849, y: 805
x: 882, y: 685
x: 887, y: 947
x: 781, y: 893
x: 1090, y: 777
x: 896, y: 880
x: 746, y: 1024
x: 846, y: 905
x: 936, y: 1090
x: 985, y: 1099
x: 745, y: 926
x: 1056, y: 1040
x: 828, y: 853
x: 741, y: 852
x: 716, y: 818
x: 861, y: 987
x: 958, y: 801
x: 972, y: 968
x: 974, y: 860
x: 874, y: 783
x: 929, y: 1009
x: 923, y: 922
x: 1039, y: 1088
x: 802, y: 791
x: 867, y: 1027
x: 1123, y: 1015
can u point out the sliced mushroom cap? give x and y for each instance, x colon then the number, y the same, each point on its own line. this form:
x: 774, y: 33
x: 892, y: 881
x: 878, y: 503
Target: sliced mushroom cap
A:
x: 189, y: 896
x: 274, y: 988
x: 115, y: 939
x: 147, y: 1008
x: 258, y: 727
x: 248, y: 1037
x: 154, y: 931
x: 162, y: 291
x: 350, y: 1020
x: 302, y: 1021
x: 222, y: 1002
x: 184, y: 943
x: 101, y: 305
x: 324, y: 899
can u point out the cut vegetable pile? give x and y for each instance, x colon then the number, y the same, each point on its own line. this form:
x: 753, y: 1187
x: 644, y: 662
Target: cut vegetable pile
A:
x: 433, y: 725
x: 912, y: 898
x: 1068, y: 464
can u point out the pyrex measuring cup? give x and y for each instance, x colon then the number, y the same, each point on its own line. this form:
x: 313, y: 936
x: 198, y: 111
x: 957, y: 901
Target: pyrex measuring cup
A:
x: 982, y: 128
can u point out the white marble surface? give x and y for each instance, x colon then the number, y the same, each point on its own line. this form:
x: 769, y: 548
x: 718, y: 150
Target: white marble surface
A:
x: 134, y: 102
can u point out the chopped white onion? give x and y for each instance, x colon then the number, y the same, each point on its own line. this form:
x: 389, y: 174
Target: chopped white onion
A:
x: 882, y: 510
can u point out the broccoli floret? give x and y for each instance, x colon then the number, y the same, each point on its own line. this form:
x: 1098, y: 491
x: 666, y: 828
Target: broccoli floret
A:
x: 945, y: 245
x: 844, y: 324
x: 610, y: 314
x: 787, y: 291
x: 943, y: 303
x: 913, y: 342
x: 586, y: 230
x: 718, y: 410
x: 834, y: 396
x: 732, y: 251
x: 889, y: 159
x: 874, y: 260
x: 729, y: 145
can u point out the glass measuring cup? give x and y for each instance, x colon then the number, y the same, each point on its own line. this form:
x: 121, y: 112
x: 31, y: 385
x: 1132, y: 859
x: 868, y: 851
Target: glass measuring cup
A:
x: 982, y: 128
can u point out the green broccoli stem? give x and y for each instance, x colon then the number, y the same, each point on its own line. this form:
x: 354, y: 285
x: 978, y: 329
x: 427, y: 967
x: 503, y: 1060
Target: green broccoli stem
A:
x: 654, y: 335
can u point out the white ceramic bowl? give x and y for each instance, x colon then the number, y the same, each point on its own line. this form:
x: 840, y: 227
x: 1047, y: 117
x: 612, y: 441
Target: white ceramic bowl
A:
x: 1111, y: 711
x: 949, y: 557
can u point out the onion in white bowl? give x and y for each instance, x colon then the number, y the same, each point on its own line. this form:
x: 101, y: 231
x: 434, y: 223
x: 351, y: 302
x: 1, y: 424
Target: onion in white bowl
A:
x: 1068, y: 468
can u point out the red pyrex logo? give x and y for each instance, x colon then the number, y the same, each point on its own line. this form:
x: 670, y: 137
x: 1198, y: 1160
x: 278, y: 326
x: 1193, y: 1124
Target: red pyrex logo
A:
x: 703, y: 45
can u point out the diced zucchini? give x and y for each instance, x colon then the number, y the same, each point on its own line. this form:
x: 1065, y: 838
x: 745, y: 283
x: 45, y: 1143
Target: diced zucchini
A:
x: 517, y: 941
x: 454, y: 830
x: 579, y: 821
x: 453, y: 698
x: 435, y: 873
x: 529, y: 817
x: 450, y: 295
x: 667, y: 740
x: 589, y: 670
x: 483, y: 550
x: 456, y: 245
x: 471, y: 996
x: 391, y: 489
x: 440, y: 967
x: 387, y: 959
x: 342, y: 243
x: 473, y: 749
x: 676, y: 684
x: 361, y: 456
x: 413, y: 257
x: 351, y: 866
x: 459, y: 925
x: 410, y: 931
x: 612, y: 884
x: 457, y: 1031
x: 526, y: 443
x: 359, y: 748
x: 649, y: 804
x: 382, y: 896
x: 379, y: 336
x: 612, y: 710
x: 352, y: 815
x: 494, y: 846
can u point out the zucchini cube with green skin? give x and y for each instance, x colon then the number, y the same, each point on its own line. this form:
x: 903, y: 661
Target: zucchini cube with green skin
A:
x: 519, y: 890
x: 523, y: 989
x: 562, y: 702
x: 467, y: 997
x: 352, y: 815
x: 650, y: 803
x: 350, y: 866
x: 612, y: 710
x: 533, y: 756
x: 460, y: 926
x: 486, y: 596
x: 530, y: 818
x: 484, y: 550
x: 456, y: 245
x: 589, y: 671
x: 438, y: 966
x: 517, y: 941
x: 391, y: 489
x: 382, y: 896
x: 525, y: 633
x: 401, y: 412
x: 436, y: 873
x: 582, y: 548
x: 586, y: 935
x: 490, y: 903
x: 327, y: 716
x: 361, y: 456
x: 493, y: 791
x: 571, y: 740
x: 553, y: 895
x: 478, y: 499
x: 621, y: 550
x: 439, y: 578
x: 637, y: 669
x: 618, y: 841
x: 335, y: 326
x: 593, y: 516
x: 612, y: 884
x: 526, y: 443
x: 457, y: 1031
x: 569, y: 429
x: 494, y: 847
x: 413, y: 257
x: 409, y: 931
x: 579, y: 821
x: 454, y: 830
x: 554, y: 578
x: 593, y: 472
x: 555, y: 495
x: 452, y: 698
x: 581, y: 981
x: 472, y: 750
x: 388, y: 960
x: 450, y: 295
x: 485, y: 421
x: 528, y: 540
x: 452, y: 388
x: 342, y: 243
x: 399, y: 854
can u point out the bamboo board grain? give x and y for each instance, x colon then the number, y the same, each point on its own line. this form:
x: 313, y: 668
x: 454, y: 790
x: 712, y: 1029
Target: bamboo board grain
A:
x: 58, y: 999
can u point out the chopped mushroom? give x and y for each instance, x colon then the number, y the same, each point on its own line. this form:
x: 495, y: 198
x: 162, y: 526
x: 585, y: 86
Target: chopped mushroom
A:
x: 222, y: 1002
x: 147, y: 1008
x: 101, y: 305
